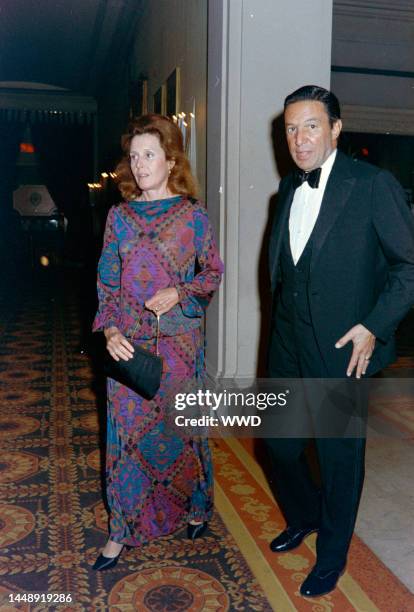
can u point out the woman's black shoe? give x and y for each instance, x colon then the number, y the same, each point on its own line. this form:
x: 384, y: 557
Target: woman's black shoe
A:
x: 196, y: 531
x: 104, y: 563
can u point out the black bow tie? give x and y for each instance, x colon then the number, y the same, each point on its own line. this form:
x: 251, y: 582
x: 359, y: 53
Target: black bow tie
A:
x: 311, y: 177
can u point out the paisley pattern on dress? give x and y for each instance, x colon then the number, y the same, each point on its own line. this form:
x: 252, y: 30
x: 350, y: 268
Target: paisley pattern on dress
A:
x: 157, y: 479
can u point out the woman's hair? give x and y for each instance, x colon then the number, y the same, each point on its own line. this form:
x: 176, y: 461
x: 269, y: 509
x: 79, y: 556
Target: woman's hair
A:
x: 180, y: 181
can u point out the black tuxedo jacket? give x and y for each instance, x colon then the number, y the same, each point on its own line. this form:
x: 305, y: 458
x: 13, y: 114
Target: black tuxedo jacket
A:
x: 362, y: 265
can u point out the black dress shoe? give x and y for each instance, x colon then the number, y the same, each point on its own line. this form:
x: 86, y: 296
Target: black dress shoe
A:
x: 196, y: 531
x: 291, y: 538
x: 103, y: 563
x: 320, y: 582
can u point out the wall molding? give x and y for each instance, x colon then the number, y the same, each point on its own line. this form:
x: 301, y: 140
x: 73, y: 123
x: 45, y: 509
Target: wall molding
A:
x: 376, y: 120
x: 398, y: 10
x: 402, y: 74
x: 45, y: 99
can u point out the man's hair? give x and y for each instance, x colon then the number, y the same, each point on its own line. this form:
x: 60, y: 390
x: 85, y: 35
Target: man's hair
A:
x: 318, y: 94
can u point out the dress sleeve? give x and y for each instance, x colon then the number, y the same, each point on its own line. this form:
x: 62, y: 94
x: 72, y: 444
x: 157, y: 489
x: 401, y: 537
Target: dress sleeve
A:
x: 196, y: 294
x: 109, y: 279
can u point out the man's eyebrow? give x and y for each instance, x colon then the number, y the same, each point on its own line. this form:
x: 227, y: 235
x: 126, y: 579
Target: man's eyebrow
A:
x: 305, y: 120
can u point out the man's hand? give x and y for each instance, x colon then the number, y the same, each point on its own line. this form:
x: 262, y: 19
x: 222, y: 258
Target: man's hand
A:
x: 364, y: 342
x: 117, y: 345
x: 163, y: 301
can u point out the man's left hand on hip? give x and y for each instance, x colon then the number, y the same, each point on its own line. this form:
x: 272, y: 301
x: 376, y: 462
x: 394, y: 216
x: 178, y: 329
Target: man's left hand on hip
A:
x: 364, y: 342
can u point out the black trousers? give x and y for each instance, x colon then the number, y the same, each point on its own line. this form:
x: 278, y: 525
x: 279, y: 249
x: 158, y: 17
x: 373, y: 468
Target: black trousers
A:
x: 294, y: 353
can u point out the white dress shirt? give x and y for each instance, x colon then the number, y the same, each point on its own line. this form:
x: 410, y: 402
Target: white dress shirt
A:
x: 305, y: 210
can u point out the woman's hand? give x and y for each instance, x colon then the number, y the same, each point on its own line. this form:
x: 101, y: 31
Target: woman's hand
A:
x: 117, y: 345
x: 163, y: 301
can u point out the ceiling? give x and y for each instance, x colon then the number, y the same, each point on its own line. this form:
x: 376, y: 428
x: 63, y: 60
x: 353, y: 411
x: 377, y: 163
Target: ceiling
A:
x: 71, y: 44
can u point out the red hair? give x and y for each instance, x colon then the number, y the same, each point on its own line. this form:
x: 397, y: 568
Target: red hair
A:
x: 180, y: 181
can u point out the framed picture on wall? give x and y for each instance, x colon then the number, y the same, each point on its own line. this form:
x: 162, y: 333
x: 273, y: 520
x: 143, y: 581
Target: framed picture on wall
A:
x: 173, y: 93
x: 144, y: 98
x: 138, y: 97
x: 160, y: 100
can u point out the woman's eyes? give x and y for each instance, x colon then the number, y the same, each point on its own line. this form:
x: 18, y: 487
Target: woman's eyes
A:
x: 148, y: 155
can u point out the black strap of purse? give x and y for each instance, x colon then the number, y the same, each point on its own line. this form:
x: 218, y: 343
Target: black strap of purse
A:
x: 157, y: 338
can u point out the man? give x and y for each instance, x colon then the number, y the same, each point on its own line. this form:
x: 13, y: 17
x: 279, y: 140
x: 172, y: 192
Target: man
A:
x: 342, y: 269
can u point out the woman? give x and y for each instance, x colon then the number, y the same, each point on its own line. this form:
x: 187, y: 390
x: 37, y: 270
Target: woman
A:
x: 157, y: 480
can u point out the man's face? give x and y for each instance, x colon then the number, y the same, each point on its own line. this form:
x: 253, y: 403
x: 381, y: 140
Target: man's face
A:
x: 310, y: 137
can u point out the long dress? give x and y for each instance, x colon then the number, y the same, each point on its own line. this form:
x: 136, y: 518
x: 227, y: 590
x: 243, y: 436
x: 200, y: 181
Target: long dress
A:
x: 156, y: 478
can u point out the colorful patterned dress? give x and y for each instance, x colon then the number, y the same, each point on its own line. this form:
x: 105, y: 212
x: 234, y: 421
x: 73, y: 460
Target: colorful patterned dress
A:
x: 157, y: 479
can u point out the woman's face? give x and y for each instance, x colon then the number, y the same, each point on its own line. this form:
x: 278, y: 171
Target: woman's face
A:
x: 149, y: 164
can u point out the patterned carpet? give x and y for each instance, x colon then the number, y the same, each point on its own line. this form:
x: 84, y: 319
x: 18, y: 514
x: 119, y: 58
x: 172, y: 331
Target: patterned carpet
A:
x: 53, y: 520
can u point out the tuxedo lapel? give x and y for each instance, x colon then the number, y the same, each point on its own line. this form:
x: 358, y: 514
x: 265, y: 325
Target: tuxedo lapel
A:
x: 337, y: 192
x: 285, y: 201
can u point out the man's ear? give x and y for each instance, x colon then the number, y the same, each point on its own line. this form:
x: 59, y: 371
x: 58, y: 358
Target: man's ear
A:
x: 336, y: 129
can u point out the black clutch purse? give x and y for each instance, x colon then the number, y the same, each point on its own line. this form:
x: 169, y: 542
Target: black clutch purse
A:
x: 141, y: 373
